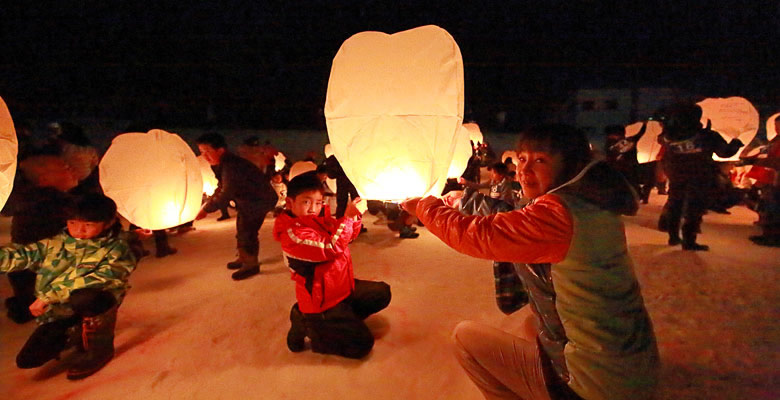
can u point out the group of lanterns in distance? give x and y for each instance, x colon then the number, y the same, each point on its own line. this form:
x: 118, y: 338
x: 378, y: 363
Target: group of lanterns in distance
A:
x: 404, y: 143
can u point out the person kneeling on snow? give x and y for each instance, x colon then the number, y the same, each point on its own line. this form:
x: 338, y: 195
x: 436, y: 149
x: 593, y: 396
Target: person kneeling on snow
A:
x: 332, y: 304
x: 82, y: 279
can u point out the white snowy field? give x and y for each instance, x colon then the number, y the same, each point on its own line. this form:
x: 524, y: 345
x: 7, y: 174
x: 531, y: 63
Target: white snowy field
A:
x: 187, y: 331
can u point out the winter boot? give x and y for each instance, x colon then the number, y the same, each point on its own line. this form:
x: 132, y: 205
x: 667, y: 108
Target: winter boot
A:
x: 23, y: 286
x: 161, y: 244
x: 689, y: 242
x: 297, y: 333
x: 249, y: 265
x: 407, y: 233
x: 97, y: 334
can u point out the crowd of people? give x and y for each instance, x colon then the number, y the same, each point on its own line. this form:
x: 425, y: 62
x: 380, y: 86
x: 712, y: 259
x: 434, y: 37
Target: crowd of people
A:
x: 549, y: 219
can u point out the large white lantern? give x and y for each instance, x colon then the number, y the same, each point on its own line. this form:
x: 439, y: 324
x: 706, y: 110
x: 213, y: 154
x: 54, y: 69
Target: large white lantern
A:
x: 301, y: 167
x: 393, y: 110
x: 648, y: 147
x: 475, y: 134
x: 461, y: 154
x: 210, y: 181
x: 771, y: 127
x: 154, y: 178
x: 9, y: 149
x: 733, y: 118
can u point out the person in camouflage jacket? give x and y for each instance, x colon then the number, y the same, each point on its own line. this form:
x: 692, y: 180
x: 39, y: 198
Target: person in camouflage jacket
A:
x: 82, y: 277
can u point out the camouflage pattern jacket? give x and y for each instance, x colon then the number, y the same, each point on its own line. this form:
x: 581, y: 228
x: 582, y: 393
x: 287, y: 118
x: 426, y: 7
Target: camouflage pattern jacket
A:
x: 64, y: 264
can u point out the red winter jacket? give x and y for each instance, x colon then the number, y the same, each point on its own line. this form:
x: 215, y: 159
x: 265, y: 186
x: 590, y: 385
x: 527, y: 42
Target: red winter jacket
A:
x: 317, y: 253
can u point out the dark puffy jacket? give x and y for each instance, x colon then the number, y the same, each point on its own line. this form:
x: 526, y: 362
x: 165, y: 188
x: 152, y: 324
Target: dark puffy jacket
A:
x: 242, y: 182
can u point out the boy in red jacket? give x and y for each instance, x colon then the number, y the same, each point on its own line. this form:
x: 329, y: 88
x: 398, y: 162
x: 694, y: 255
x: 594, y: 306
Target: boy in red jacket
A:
x: 332, y: 304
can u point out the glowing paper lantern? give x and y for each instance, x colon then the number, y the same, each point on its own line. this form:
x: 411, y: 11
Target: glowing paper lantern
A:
x: 771, y: 127
x: 9, y: 148
x: 210, y: 181
x: 511, y: 154
x: 154, y: 178
x: 301, y: 167
x: 393, y: 109
x: 461, y: 155
x: 733, y: 118
x: 328, y: 150
x: 648, y: 147
x: 279, y: 160
x: 475, y: 135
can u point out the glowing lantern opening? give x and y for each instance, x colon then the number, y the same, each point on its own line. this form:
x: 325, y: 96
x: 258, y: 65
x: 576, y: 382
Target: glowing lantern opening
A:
x: 400, y: 143
x: 279, y: 160
x: 733, y: 118
x: 301, y: 167
x: 9, y: 148
x: 154, y: 178
x: 771, y: 127
x: 210, y: 182
x: 475, y: 134
x: 648, y: 147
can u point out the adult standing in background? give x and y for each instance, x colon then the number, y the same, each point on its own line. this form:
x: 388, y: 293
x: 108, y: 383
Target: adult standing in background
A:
x: 250, y: 189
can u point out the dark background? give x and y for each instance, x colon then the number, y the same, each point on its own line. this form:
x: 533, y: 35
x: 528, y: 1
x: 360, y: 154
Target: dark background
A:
x: 265, y: 64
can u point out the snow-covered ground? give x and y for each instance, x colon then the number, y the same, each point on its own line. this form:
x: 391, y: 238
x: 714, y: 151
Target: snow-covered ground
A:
x: 187, y: 331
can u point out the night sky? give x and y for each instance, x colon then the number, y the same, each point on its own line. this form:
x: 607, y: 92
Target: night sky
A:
x: 265, y: 64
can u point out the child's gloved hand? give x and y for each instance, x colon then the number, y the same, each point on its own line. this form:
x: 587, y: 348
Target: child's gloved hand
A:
x: 353, y: 210
x: 410, y: 205
x: 38, y: 307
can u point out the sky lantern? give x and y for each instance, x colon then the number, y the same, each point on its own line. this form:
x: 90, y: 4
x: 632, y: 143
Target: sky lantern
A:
x: 461, y: 155
x: 648, y: 147
x: 328, y: 150
x: 301, y: 167
x: 733, y: 118
x: 771, y: 127
x: 511, y: 154
x: 279, y: 160
x: 9, y: 148
x: 393, y: 109
x: 475, y: 134
x: 210, y: 181
x: 154, y: 178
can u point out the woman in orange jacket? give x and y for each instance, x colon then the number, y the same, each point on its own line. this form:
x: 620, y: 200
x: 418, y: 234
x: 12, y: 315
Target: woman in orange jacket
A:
x: 585, y: 333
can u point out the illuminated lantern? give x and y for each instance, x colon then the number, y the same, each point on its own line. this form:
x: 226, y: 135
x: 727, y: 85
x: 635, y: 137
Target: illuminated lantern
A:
x: 9, y: 148
x: 210, y: 181
x: 393, y: 109
x: 461, y: 155
x: 301, y: 167
x: 279, y: 160
x: 771, y: 127
x: 475, y: 135
x: 511, y: 154
x: 328, y: 150
x: 733, y: 118
x: 648, y: 147
x: 154, y: 178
